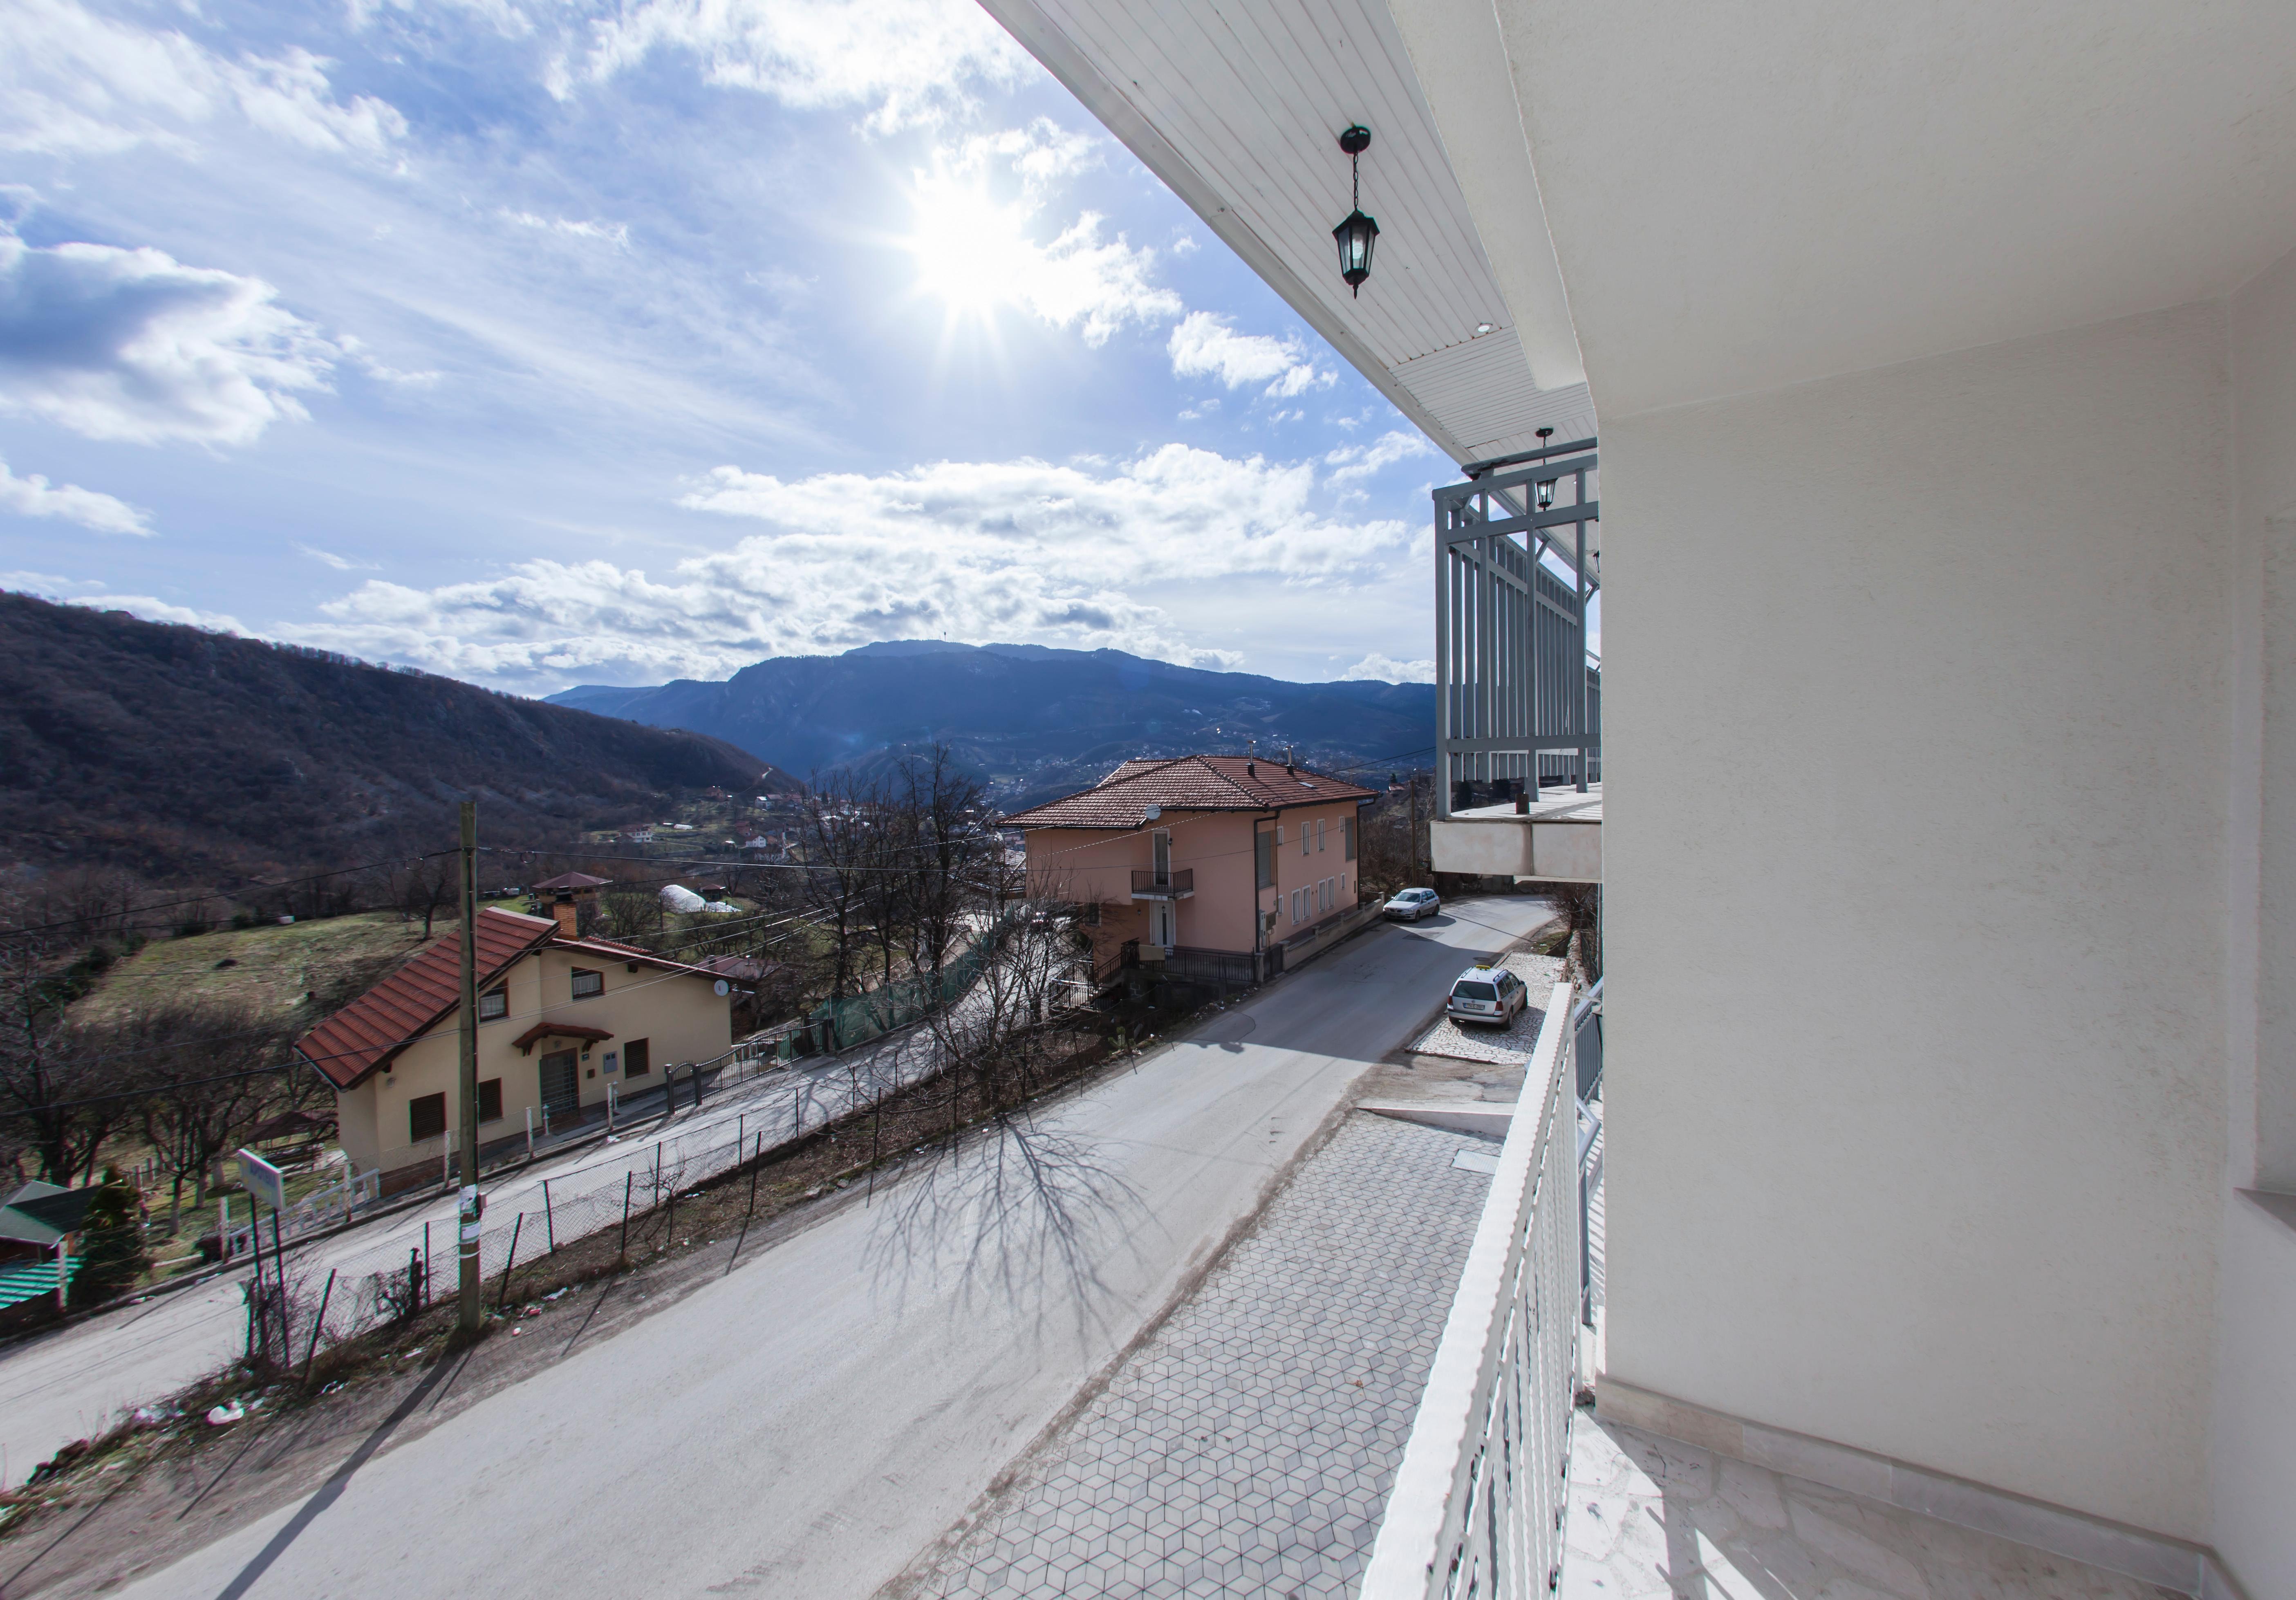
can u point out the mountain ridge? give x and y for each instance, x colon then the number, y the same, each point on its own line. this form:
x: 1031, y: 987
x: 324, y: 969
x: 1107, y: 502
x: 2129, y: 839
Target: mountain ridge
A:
x: 1032, y: 720
x: 172, y: 750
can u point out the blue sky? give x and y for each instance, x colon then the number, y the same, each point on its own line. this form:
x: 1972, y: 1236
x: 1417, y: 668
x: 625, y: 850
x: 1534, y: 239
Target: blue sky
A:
x: 546, y: 344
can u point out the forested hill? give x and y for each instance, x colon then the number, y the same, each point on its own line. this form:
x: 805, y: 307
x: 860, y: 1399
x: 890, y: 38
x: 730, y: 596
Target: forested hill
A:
x: 176, y: 753
x: 1037, y: 721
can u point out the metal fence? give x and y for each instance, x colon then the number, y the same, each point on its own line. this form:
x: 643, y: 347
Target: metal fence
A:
x: 1477, y: 1504
x: 836, y: 1025
x: 321, y: 1210
x: 1513, y: 571
x: 328, y: 1299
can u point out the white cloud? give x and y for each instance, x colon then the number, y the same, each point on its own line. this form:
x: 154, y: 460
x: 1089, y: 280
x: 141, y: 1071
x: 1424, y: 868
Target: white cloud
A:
x: 1350, y: 462
x: 34, y: 497
x: 1386, y: 669
x: 74, y: 82
x: 1098, y: 285
x: 133, y: 345
x: 980, y: 552
x: 355, y: 350
x: 1186, y: 245
x: 1041, y: 154
x: 974, y: 253
x: 154, y: 610
x: 900, y: 61
x: 1203, y: 346
x: 615, y: 233
x: 340, y: 563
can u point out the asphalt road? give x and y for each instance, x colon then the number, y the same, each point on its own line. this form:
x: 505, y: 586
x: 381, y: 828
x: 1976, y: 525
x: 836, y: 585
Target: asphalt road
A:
x: 805, y: 1426
x: 77, y: 1382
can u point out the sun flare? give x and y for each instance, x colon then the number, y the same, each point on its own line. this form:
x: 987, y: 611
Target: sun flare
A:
x: 972, y: 254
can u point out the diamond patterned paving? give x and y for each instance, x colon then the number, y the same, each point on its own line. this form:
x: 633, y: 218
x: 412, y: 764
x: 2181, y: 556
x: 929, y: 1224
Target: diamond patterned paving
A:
x: 1248, y: 1448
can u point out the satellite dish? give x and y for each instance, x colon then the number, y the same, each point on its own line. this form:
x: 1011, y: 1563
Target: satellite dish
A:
x: 722, y: 986
x: 1152, y: 813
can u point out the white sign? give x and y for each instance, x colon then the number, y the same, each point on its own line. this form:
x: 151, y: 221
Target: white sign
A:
x: 264, y: 1181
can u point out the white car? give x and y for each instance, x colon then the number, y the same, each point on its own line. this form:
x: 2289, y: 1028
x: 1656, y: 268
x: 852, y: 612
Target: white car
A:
x: 1412, y: 904
x: 1486, y: 994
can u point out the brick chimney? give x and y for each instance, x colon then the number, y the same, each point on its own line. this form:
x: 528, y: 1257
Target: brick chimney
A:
x: 563, y: 910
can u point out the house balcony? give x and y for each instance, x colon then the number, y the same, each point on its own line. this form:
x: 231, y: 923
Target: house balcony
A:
x: 1555, y: 835
x: 1148, y: 884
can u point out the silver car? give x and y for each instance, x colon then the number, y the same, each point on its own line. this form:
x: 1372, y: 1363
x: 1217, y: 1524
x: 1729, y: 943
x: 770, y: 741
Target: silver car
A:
x: 1486, y: 994
x: 1412, y: 904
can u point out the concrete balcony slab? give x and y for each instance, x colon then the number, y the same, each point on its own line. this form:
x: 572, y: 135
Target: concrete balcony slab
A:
x: 1557, y: 838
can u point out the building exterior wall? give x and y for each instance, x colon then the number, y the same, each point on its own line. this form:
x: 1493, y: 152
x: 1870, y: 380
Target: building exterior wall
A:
x: 2253, y: 1443
x: 1940, y: 1175
x: 681, y: 1015
x: 1086, y: 865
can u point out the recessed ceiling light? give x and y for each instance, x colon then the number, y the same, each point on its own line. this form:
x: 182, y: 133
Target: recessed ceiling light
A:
x: 1486, y: 327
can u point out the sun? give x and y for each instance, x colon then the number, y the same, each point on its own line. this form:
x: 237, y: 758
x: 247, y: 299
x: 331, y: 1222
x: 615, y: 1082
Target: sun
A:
x: 972, y: 254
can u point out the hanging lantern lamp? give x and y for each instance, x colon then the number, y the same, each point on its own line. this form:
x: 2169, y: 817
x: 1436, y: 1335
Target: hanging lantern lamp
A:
x: 1358, y: 234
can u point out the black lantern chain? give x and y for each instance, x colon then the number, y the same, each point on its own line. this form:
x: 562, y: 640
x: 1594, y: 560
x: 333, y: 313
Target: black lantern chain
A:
x: 1358, y: 234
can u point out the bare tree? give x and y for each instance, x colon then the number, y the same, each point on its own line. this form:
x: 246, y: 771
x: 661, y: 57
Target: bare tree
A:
x: 950, y: 842
x: 1580, y: 905
x: 424, y: 886
x: 840, y: 855
x: 202, y: 1067
x: 62, y: 1095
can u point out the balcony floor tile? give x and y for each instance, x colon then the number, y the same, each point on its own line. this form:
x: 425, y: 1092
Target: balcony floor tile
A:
x: 1651, y: 1516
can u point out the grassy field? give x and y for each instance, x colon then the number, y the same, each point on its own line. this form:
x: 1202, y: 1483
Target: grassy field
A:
x: 270, y: 968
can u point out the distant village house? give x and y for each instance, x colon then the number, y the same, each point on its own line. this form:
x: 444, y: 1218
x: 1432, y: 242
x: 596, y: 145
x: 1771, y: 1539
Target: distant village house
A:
x: 1216, y: 855
x: 561, y: 1019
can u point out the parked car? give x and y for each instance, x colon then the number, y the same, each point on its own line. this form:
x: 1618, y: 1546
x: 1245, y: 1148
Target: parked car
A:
x: 1412, y: 904
x: 1486, y: 994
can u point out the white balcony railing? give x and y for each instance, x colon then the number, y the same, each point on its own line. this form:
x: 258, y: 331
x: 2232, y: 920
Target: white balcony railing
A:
x: 1477, y: 1506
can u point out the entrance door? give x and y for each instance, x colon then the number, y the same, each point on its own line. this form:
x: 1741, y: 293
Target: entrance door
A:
x: 1159, y: 924
x: 561, y: 1085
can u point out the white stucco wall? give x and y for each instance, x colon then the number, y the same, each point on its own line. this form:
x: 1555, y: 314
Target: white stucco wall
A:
x: 2253, y: 1447
x: 1916, y: 1032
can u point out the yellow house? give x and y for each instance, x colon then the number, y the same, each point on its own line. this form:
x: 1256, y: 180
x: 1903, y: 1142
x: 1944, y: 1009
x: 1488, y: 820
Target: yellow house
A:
x: 563, y: 1020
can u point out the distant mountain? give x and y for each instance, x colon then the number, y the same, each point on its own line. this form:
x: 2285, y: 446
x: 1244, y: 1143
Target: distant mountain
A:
x: 176, y: 752
x: 1037, y: 721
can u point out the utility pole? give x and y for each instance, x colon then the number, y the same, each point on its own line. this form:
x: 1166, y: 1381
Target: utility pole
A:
x: 472, y: 1307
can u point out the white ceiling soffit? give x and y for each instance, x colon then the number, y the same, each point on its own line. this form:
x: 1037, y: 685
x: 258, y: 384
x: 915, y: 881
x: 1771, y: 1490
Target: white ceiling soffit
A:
x: 1749, y: 193
x: 1238, y: 108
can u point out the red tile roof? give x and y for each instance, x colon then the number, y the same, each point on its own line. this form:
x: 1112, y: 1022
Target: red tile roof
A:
x: 373, y: 1028
x: 572, y: 880
x: 1190, y: 783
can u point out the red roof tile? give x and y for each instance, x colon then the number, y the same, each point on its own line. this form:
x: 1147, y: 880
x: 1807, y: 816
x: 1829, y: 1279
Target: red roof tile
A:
x: 1190, y: 783
x: 373, y: 1028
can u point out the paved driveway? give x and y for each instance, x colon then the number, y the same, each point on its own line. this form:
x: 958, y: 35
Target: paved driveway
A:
x: 805, y: 1426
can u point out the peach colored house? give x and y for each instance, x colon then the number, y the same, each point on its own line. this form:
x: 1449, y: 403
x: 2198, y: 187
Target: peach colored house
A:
x: 1234, y: 853
x: 561, y: 1020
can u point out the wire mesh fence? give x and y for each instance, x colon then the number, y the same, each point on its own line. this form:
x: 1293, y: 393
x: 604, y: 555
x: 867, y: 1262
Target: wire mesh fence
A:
x: 840, y: 1024
x: 308, y: 1300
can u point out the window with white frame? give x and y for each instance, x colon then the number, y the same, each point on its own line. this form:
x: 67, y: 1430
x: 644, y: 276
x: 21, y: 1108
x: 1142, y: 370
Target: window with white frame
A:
x: 1319, y: 834
x: 494, y: 1004
x: 1306, y: 836
x: 587, y: 983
